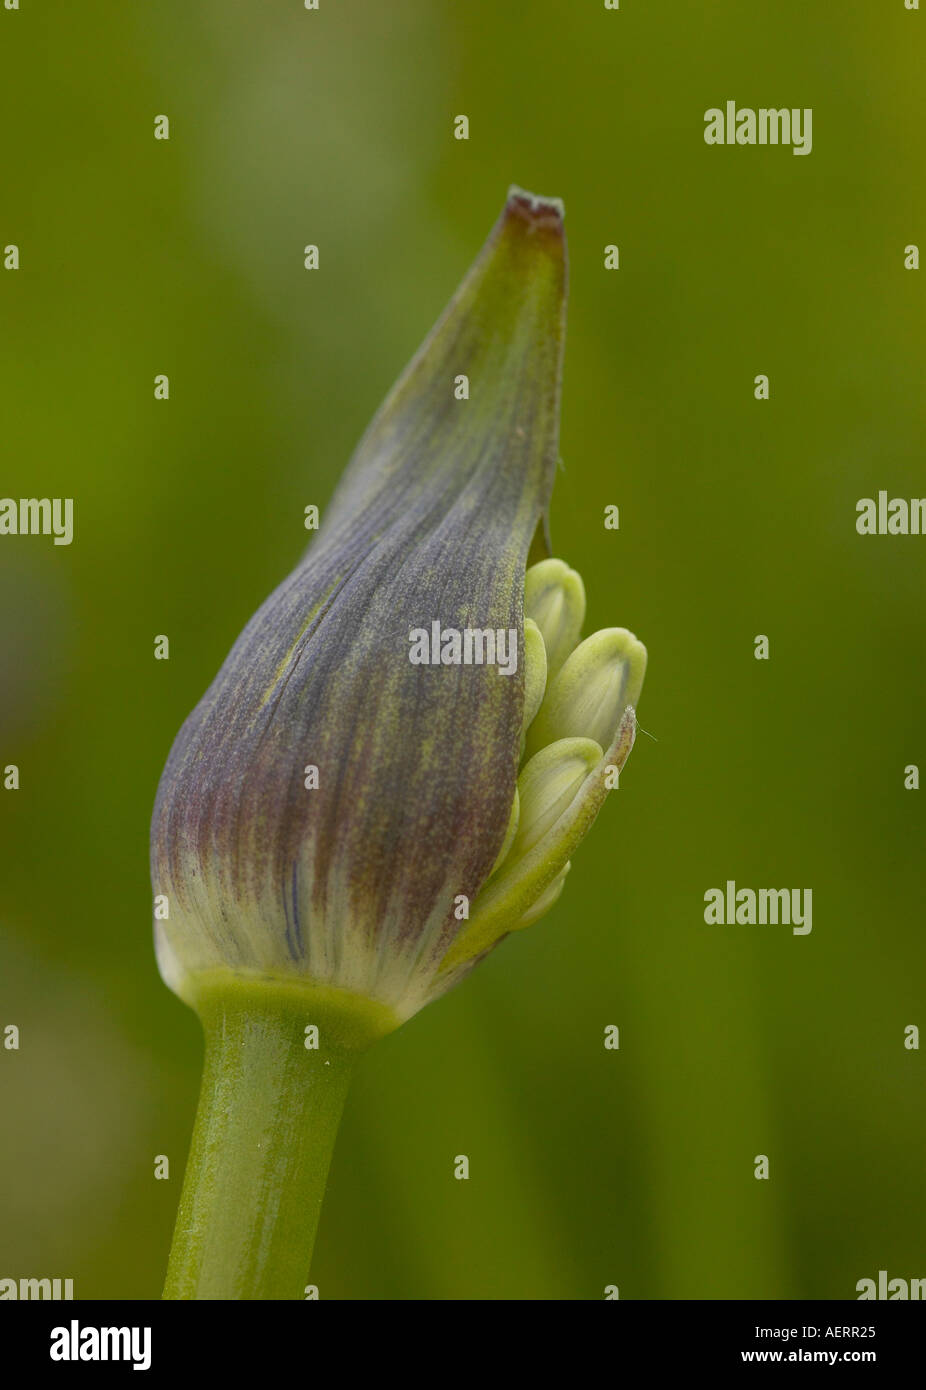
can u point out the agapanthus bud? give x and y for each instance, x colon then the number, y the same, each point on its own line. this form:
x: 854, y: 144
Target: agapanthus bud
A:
x: 595, y: 685
x: 342, y: 810
x: 548, y: 785
x: 535, y: 672
x: 554, y: 597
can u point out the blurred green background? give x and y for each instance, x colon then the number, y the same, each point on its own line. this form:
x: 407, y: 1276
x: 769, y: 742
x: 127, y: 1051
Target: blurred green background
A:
x: 141, y: 257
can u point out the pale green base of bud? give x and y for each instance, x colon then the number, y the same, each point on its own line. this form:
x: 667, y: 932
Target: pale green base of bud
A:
x: 343, y: 1019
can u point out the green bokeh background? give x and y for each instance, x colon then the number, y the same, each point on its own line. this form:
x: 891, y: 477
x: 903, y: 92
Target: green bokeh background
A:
x: 588, y: 1167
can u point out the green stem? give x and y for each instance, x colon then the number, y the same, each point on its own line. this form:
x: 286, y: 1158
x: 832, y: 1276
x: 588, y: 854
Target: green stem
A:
x: 268, y: 1116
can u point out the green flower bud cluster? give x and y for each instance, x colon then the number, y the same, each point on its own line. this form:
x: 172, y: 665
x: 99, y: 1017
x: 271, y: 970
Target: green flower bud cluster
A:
x: 578, y: 729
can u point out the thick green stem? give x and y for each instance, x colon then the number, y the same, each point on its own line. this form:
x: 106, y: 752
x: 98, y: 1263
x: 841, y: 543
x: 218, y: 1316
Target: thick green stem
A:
x: 265, y: 1129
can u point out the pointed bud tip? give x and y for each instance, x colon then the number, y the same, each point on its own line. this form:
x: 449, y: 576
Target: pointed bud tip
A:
x: 537, y: 212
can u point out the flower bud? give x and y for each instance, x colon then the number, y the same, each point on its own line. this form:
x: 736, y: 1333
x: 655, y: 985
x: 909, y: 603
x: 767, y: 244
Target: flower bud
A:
x: 331, y: 804
x: 342, y: 810
x: 596, y: 684
x: 554, y: 596
x: 535, y: 672
x: 548, y: 785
